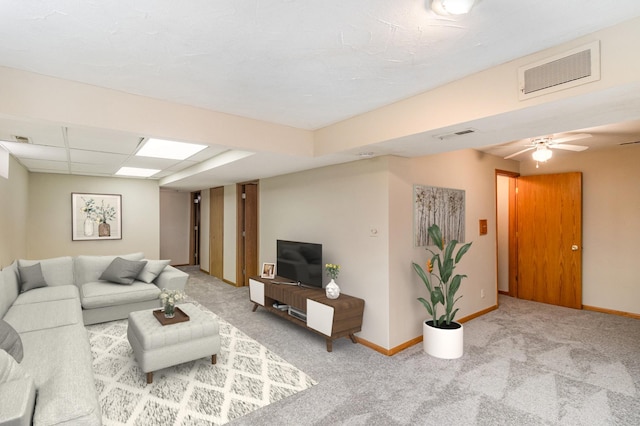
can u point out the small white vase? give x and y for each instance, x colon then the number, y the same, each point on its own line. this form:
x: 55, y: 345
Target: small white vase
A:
x: 88, y: 227
x: 443, y: 343
x: 332, y: 290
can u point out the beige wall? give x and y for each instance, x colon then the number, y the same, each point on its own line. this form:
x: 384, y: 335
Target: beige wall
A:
x: 174, y: 226
x: 473, y: 172
x: 336, y: 207
x: 49, y: 216
x: 339, y: 206
x: 611, y: 224
x: 14, y: 196
x: 230, y: 224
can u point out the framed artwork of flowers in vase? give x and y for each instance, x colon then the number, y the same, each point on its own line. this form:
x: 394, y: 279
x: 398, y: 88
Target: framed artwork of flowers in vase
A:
x: 96, y: 216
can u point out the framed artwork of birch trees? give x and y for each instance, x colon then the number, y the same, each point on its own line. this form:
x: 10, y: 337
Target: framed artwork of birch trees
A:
x: 441, y: 206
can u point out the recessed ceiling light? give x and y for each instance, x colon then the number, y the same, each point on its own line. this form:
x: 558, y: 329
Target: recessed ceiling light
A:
x: 159, y: 148
x: 136, y: 172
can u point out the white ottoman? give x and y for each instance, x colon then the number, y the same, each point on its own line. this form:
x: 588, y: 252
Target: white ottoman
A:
x: 158, y: 346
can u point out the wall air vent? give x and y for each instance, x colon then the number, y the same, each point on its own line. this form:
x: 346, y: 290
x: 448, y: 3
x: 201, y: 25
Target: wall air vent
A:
x: 569, y: 69
x: 457, y: 133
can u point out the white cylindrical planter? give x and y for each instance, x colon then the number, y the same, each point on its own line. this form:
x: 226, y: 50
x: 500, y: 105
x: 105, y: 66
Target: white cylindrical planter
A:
x: 441, y: 342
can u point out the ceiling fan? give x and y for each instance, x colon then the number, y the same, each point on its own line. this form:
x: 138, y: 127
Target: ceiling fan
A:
x: 542, y: 146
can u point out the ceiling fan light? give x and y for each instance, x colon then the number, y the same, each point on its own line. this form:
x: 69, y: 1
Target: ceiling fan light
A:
x: 452, y: 7
x: 542, y: 154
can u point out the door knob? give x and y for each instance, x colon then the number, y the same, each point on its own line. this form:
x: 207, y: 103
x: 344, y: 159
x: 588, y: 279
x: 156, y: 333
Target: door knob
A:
x: 574, y: 247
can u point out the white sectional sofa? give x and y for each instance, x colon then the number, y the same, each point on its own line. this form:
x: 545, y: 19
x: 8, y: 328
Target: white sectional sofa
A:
x: 53, y: 383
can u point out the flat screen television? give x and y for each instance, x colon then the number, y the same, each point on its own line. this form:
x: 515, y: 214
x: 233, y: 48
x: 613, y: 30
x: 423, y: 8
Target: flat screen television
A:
x: 299, y: 262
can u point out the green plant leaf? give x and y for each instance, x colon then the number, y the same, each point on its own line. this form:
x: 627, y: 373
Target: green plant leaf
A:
x: 446, y: 270
x: 452, y: 316
x: 462, y: 251
x: 427, y: 305
x: 455, y: 285
x: 448, y: 253
x: 423, y: 275
x: 435, y: 235
x: 437, y: 296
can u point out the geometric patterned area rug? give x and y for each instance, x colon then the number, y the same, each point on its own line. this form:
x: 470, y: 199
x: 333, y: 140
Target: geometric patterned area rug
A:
x: 246, y: 377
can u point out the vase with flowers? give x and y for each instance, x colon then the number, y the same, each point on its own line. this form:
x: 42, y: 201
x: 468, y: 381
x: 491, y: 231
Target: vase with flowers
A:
x: 442, y: 337
x: 169, y: 298
x: 332, y: 290
x: 104, y: 214
x: 89, y: 210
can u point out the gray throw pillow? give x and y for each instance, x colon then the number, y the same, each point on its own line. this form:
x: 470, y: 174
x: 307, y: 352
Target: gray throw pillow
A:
x: 10, y: 341
x: 122, y: 271
x: 152, y: 269
x: 31, y: 277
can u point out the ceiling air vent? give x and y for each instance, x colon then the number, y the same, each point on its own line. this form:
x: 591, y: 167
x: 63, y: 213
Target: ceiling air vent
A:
x: 22, y: 139
x: 463, y: 132
x: 569, y: 69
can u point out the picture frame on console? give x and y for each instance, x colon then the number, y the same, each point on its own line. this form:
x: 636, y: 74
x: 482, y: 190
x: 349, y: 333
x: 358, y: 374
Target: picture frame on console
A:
x: 96, y: 216
x: 268, y: 271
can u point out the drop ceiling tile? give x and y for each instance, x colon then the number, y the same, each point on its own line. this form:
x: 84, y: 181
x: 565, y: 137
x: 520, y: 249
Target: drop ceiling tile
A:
x: 102, y: 140
x: 181, y: 166
x: 38, y: 133
x: 150, y: 163
x: 207, y: 153
x: 40, y: 165
x: 80, y: 168
x: 36, y: 152
x: 93, y: 157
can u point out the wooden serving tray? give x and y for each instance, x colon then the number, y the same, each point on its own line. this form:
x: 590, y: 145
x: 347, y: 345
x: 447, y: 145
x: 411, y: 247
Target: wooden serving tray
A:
x: 180, y: 316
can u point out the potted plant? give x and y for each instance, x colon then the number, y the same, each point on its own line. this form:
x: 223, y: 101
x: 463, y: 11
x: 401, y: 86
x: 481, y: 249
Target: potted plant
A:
x: 442, y: 337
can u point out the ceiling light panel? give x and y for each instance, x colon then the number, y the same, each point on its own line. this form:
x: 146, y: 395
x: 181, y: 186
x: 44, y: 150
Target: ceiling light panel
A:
x: 136, y: 172
x: 159, y: 148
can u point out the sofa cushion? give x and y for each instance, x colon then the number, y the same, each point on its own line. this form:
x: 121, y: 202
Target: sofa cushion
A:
x: 31, y: 277
x: 90, y: 268
x: 59, y: 360
x: 10, y: 341
x: 48, y: 294
x: 100, y: 294
x: 56, y: 271
x: 152, y: 269
x: 123, y: 271
x: 45, y: 315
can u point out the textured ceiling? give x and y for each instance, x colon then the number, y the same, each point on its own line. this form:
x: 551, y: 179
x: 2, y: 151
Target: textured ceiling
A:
x: 305, y: 63
x: 302, y: 63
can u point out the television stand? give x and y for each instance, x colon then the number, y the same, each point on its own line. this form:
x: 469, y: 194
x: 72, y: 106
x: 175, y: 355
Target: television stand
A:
x: 330, y: 318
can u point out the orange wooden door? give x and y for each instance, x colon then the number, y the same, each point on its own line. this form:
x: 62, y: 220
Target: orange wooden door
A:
x: 549, y: 239
x: 247, y: 236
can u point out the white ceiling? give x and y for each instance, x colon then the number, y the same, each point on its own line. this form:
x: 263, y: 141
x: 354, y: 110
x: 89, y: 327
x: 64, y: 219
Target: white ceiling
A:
x: 301, y: 63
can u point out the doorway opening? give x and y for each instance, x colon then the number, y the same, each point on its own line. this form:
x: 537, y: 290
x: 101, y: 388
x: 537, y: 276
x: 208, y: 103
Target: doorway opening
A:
x: 506, y: 221
x: 194, y: 240
x: 539, y: 218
